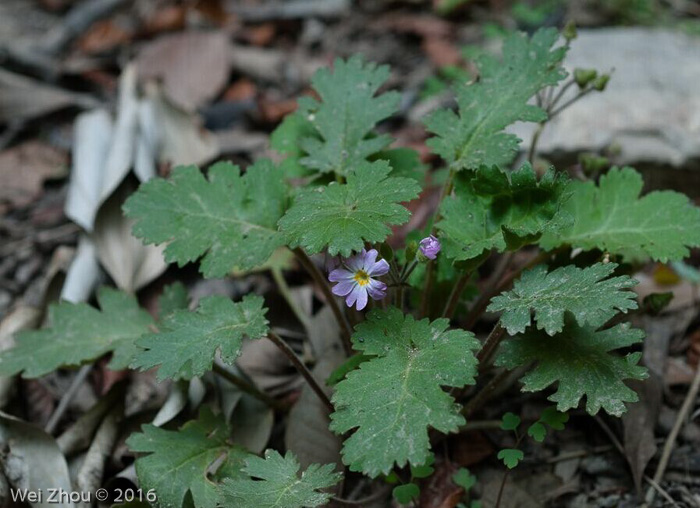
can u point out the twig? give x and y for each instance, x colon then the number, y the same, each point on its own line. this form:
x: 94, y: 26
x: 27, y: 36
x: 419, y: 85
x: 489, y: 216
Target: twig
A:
x: 67, y: 398
x: 303, y: 370
x: 671, y: 440
x: 248, y: 388
x: 476, y: 402
x: 318, y: 277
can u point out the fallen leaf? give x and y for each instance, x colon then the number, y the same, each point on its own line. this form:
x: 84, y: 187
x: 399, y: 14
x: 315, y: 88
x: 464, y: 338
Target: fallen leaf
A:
x: 22, y: 98
x: 24, y: 168
x: 193, y: 66
x: 31, y: 459
x: 307, y: 433
x: 83, y: 275
x: 130, y: 263
x: 439, y: 490
x: 639, y: 422
x: 165, y: 19
x: 441, y: 51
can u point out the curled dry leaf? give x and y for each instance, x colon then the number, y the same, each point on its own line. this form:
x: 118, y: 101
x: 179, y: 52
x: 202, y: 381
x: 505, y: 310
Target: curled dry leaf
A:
x: 31, y: 459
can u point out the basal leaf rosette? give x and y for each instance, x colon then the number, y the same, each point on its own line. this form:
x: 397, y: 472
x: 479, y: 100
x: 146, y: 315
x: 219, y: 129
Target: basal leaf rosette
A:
x: 613, y: 216
x: 493, y: 209
x: 391, y: 400
x: 474, y: 136
x: 589, y: 294
x: 343, y: 216
x: 275, y: 482
x: 227, y: 219
x: 581, y: 362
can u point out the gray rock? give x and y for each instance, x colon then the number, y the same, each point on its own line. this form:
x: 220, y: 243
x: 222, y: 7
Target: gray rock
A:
x: 650, y: 110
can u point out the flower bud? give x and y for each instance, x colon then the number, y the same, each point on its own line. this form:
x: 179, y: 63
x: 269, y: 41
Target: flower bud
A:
x: 569, y: 32
x: 430, y: 247
x: 584, y: 76
x: 602, y: 81
x: 411, y: 249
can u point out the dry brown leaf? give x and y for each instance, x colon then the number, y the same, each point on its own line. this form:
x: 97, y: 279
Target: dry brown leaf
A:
x: 168, y: 18
x: 24, y: 168
x: 639, y: 422
x: 193, y: 66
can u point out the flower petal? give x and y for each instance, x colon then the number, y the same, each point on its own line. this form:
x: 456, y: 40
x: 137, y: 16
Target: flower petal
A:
x: 354, y: 294
x: 361, y: 298
x: 343, y: 287
x: 381, y: 267
x: 356, y: 262
x: 340, y: 274
x: 369, y: 259
x: 376, y: 289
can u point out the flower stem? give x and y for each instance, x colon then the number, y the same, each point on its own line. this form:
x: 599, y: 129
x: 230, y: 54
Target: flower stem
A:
x: 248, y: 388
x: 303, y: 370
x: 457, y: 290
x: 318, y: 277
x: 489, y: 348
x: 287, y: 295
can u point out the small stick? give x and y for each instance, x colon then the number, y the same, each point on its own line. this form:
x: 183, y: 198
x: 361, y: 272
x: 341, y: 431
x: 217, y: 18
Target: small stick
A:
x: 303, y: 370
x: 248, y: 388
x: 318, y: 277
x: 671, y: 440
x: 67, y: 398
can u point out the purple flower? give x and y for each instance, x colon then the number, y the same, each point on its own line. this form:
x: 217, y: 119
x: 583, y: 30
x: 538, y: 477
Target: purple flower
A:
x: 430, y: 246
x: 355, y: 280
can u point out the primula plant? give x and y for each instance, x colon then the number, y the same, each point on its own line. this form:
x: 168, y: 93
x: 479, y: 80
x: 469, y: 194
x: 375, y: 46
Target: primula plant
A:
x: 550, y: 253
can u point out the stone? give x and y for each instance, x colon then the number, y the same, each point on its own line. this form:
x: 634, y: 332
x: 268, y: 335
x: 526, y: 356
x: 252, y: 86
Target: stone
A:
x: 649, y: 114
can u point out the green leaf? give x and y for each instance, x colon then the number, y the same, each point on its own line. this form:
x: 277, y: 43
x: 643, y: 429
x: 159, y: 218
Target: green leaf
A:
x: 404, y: 162
x: 229, y: 220
x: 174, y: 298
x: 188, y: 341
x: 579, y: 359
x: 511, y: 457
x: 492, y: 209
x: 510, y: 421
x: 392, y: 399
x: 79, y: 333
x: 279, y: 484
x: 537, y: 431
x: 180, y: 461
x: 346, y: 115
x: 404, y: 494
x: 345, y: 216
x: 553, y: 418
x: 588, y: 294
x: 612, y: 217
x: 286, y: 139
x: 464, y: 479
x: 424, y: 470
x: 474, y: 136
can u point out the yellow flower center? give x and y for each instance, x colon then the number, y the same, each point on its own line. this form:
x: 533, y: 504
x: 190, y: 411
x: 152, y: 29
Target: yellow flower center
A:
x: 361, y: 278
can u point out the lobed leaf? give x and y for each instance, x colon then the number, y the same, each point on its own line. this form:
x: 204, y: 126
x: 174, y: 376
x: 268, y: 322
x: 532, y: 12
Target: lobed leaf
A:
x: 227, y: 219
x: 179, y: 462
x: 345, y: 216
x: 492, y: 209
x: 612, y: 216
x: 588, y: 294
x: 187, y: 342
x: 393, y: 398
x: 345, y: 116
x: 474, y: 136
x: 279, y: 484
x: 579, y: 360
x: 79, y: 333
